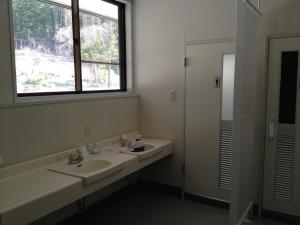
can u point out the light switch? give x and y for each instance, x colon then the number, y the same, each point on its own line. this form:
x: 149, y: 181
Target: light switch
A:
x: 1, y: 161
x: 172, y: 96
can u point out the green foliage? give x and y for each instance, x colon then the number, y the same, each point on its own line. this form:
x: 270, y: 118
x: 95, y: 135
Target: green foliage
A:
x: 102, y: 47
x: 35, y: 21
x: 34, y: 82
x: 94, y: 50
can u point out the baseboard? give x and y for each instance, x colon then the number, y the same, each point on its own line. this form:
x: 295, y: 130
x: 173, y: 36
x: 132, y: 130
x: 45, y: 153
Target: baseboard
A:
x: 281, y: 217
x: 207, y: 201
x: 160, y: 188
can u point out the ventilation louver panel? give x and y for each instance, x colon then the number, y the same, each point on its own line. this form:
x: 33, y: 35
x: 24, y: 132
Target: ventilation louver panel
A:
x: 284, y: 168
x: 225, y: 168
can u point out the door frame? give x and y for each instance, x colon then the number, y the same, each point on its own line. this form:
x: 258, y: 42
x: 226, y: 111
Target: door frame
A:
x: 183, y: 85
x: 267, y: 41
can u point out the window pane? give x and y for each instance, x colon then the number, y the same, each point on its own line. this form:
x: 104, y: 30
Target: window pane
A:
x: 100, y: 8
x: 99, y: 34
x: 228, y: 86
x: 43, y: 46
x: 288, y: 87
x: 99, y: 39
x: 100, y: 77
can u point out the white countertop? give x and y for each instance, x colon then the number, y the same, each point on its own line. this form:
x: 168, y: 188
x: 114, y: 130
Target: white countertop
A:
x: 29, y: 191
x: 32, y: 185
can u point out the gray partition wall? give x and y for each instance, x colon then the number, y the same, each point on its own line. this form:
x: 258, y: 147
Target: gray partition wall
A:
x: 244, y: 179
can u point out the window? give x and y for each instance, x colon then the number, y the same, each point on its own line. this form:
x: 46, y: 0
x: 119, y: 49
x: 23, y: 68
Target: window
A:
x: 288, y: 87
x: 69, y: 46
x: 228, y: 87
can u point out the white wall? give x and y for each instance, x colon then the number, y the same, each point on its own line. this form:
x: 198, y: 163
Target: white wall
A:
x: 161, y: 27
x: 280, y: 17
x: 33, y: 131
x: 6, y: 94
x: 245, y: 150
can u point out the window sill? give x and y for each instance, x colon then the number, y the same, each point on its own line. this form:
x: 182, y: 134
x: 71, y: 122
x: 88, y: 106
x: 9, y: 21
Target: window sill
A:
x: 43, y: 100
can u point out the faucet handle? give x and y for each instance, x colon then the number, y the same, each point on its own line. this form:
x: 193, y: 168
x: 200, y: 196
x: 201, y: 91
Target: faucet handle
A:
x: 71, y: 159
x: 76, y: 157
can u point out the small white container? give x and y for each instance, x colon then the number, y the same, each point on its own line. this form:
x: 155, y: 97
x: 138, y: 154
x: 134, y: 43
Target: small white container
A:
x: 83, y: 150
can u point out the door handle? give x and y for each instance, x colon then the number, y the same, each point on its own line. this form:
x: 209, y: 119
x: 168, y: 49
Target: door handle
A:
x: 271, y: 129
x: 217, y: 82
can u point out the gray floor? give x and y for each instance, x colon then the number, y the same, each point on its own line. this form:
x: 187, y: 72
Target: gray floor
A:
x: 142, y: 207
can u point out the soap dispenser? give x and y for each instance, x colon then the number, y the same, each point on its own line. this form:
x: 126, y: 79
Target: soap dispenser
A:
x: 93, y: 149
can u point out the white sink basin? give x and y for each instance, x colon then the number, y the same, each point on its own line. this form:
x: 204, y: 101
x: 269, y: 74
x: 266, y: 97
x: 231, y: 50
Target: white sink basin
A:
x: 90, y: 166
x: 90, y: 170
x: 151, y: 150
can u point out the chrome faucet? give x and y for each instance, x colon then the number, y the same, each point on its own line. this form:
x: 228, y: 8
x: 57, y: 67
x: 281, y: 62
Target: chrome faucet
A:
x: 75, y: 158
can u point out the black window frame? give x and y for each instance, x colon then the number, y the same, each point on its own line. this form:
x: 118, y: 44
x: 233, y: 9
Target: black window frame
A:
x: 77, y: 53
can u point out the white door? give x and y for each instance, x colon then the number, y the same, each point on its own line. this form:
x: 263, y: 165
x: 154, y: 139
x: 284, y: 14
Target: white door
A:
x: 282, y: 158
x: 207, y: 121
